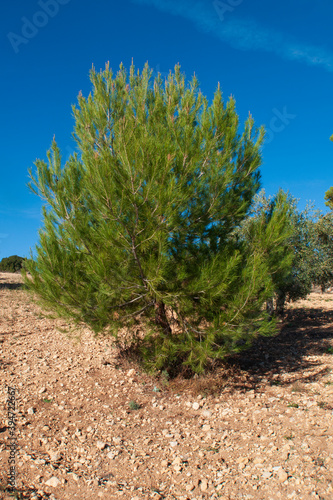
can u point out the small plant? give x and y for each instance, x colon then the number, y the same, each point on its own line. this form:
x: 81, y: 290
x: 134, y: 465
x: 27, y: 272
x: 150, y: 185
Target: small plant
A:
x: 292, y: 405
x: 215, y: 449
x: 165, y: 374
x: 329, y: 382
x: 320, y: 462
x: 291, y: 436
x: 156, y: 389
x: 46, y: 400
x: 165, y: 377
x: 329, y: 350
x: 133, y: 405
x: 322, y: 405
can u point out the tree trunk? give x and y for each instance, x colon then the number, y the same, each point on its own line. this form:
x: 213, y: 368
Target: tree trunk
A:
x: 280, y: 302
x: 270, y: 308
x: 160, y: 317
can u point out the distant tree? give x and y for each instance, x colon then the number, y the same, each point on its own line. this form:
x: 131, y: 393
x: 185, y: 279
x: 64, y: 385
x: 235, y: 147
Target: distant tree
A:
x: 11, y: 264
x: 270, y: 220
x: 311, y: 241
x: 329, y: 192
x: 140, y: 228
x: 329, y: 198
x: 324, y: 251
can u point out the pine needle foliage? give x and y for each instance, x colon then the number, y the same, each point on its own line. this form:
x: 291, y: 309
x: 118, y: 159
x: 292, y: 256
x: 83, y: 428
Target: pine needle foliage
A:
x: 139, y: 225
x: 307, y: 253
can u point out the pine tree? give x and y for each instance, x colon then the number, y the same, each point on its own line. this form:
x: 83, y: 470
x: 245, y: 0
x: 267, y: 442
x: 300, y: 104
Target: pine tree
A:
x: 270, y: 227
x: 139, y: 227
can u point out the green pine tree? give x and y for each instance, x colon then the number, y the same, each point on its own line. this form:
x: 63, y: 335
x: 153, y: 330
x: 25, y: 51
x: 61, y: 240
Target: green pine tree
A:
x: 269, y: 227
x: 139, y: 227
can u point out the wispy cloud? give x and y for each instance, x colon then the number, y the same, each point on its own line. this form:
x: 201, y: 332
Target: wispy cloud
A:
x: 27, y: 213
x: 245, y: 34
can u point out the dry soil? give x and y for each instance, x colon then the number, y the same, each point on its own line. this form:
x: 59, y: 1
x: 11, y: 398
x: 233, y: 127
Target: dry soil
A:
x: 90, y: 424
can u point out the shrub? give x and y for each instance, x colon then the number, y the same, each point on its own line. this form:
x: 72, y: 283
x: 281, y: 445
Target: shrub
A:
x: 139, y: 228
x: 11, y: 264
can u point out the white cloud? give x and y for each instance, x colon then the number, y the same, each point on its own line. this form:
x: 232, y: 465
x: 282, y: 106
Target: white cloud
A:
x: 244, y: 34
x: 27, y: 213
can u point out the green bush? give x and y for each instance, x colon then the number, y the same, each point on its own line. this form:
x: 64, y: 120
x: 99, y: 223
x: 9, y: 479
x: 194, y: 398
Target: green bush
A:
x: 311, y: 242
x: 11, y: 264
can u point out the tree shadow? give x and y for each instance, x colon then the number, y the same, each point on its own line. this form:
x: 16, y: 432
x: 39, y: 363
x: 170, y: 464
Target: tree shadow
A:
x: 303, y: 334
x: 12, y: 286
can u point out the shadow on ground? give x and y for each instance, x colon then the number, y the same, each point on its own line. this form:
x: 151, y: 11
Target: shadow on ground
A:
x: 12, y: 286
x: 303, y: 334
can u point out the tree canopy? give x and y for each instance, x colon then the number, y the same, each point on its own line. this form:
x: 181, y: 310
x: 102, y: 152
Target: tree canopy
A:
x: 139, y: 226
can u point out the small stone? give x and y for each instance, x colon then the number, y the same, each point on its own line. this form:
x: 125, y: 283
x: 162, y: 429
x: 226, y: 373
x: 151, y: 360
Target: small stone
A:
x: 46, y: 428
x: 30, y: 411
x: 111, y: 455
x: 266, y: 475
x: 173, y: 444
x: 131, y: 372
x: 206, y: 427
x: 195, y: 406
x: 282, y: 476
x: 257, y: 461
x: 42, y: 390
x: 206, y: 413
x: 204, y: 485
x: 53, y: 481
x: 54, y: 456
x: 189, y: 487
x: 164, y: 463
x: 100, y: 445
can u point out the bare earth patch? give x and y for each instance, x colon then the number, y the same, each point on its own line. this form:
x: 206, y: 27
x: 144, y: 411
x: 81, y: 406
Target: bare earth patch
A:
x: 90, y: 425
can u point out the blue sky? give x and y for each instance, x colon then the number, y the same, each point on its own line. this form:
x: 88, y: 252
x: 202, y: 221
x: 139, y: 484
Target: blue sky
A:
x: 274, y: 57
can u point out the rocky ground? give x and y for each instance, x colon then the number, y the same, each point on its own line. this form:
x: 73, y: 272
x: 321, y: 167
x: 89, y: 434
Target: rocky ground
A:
x: 91, y: 425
